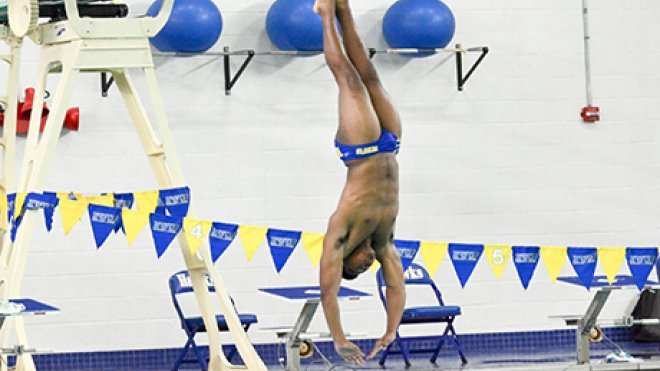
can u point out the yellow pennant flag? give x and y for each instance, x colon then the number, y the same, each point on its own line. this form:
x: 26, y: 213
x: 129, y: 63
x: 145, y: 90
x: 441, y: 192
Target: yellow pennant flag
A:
x: 3, y: 211
x: 375, y: 267
x: 18, y: 204
x: 554, y: 258
x: 251, y: 238
x: 71, y: 212
x: 196, y: 231
x: 432, y: 255
x: 146, y: 201
x: 498, y: 257
x: 313, y: 245
x: 611, y: 258
x: 103, y: 200
x: 134, y: 222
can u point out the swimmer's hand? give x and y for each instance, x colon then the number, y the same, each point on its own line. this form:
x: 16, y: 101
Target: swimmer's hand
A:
x: 350, y: 352
x: 381, y: 344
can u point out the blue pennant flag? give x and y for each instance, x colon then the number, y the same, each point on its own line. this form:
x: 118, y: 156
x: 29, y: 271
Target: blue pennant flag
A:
x: 464, y: 257
x: 33, y: 201
x: 583, y: 260
x: 407, y: 250
x: 123, y: 201
x: 176, y: 201
x: 11, y: 201
x: 46, y: 201
x: 641, y: 261
x: 163, y: 230
x: 49, y: 212
x: 281, y: 244
x: 525, y: 258
x: 103, y: 219
x: 220, y: 237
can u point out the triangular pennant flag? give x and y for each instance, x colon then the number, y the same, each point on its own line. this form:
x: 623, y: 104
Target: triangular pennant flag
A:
x: 3, y: 211
x: 464, y: 257
x: 146, y: 201
x: 220, y: 237
x: 497, y: 256
x: 611, y: 258
x: 313, y: 245
x: 432, y: 255
x: 251, y: 238
x: 407, y: 251
x: 106, y: 199
x: 583, y: 260
x: 525, y: 258
x: 196, y: 231
x: 49, y: 212
x: 124, y: 200
x: 71, y: 212
x: 133, y: 222
x: 554, y: 258
x: 163, y: 230
x: 282, y: 243
x: 641, y: 261
x: 176, y: 200
x: 103, y: 220
x: 46, y: 201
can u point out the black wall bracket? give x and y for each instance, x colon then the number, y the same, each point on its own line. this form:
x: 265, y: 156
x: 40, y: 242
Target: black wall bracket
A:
x: 461, y: 79
x: 249, y: 54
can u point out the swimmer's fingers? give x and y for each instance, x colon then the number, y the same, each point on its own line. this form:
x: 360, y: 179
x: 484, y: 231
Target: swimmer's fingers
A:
x: 381, y: 344
x: 351, y: 353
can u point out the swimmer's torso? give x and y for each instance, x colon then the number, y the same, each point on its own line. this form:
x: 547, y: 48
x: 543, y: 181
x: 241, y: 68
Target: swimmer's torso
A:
x: 370, y: 201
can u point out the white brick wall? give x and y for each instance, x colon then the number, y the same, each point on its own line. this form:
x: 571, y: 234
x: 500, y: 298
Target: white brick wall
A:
x: 506, y: 161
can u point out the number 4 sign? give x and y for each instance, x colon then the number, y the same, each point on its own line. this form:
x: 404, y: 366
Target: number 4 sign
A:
x: 196, y: 231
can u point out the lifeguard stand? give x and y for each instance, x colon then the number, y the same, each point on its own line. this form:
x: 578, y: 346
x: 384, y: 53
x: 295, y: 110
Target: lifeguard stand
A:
x: 12, y: 32
x: 79, y: 43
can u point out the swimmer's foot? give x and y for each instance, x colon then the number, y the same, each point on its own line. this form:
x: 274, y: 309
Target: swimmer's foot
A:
x: 324, y: 6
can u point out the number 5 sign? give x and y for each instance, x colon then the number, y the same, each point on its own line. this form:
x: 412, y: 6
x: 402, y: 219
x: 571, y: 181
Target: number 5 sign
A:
x: 497, y: 256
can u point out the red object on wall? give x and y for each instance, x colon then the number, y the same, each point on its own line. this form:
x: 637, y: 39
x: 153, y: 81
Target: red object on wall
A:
x: 590, y: 114
x: 24, y: 110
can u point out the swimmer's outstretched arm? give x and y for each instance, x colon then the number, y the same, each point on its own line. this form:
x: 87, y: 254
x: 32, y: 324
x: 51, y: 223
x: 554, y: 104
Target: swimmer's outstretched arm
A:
x: 395, y: 292
x: 332, y: 263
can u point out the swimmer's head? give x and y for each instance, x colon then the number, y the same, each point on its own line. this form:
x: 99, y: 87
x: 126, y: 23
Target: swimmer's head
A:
x: 358, y: 261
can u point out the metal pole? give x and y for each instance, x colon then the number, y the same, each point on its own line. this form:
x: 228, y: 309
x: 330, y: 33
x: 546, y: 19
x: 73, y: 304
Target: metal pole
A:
x: 587, y: 59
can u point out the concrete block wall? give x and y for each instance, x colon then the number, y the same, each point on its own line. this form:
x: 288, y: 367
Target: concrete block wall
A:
x: 506, y: 161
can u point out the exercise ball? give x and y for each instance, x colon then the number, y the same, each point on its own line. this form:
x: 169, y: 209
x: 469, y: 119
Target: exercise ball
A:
x: 193, y: 27
x: 293, y: 25
x: 420, y: 24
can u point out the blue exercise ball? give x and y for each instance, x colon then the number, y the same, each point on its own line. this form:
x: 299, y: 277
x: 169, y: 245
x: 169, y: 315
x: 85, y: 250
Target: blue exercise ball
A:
x: 193, y: 27
x: 421, y: 24
x: 293, y: 25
